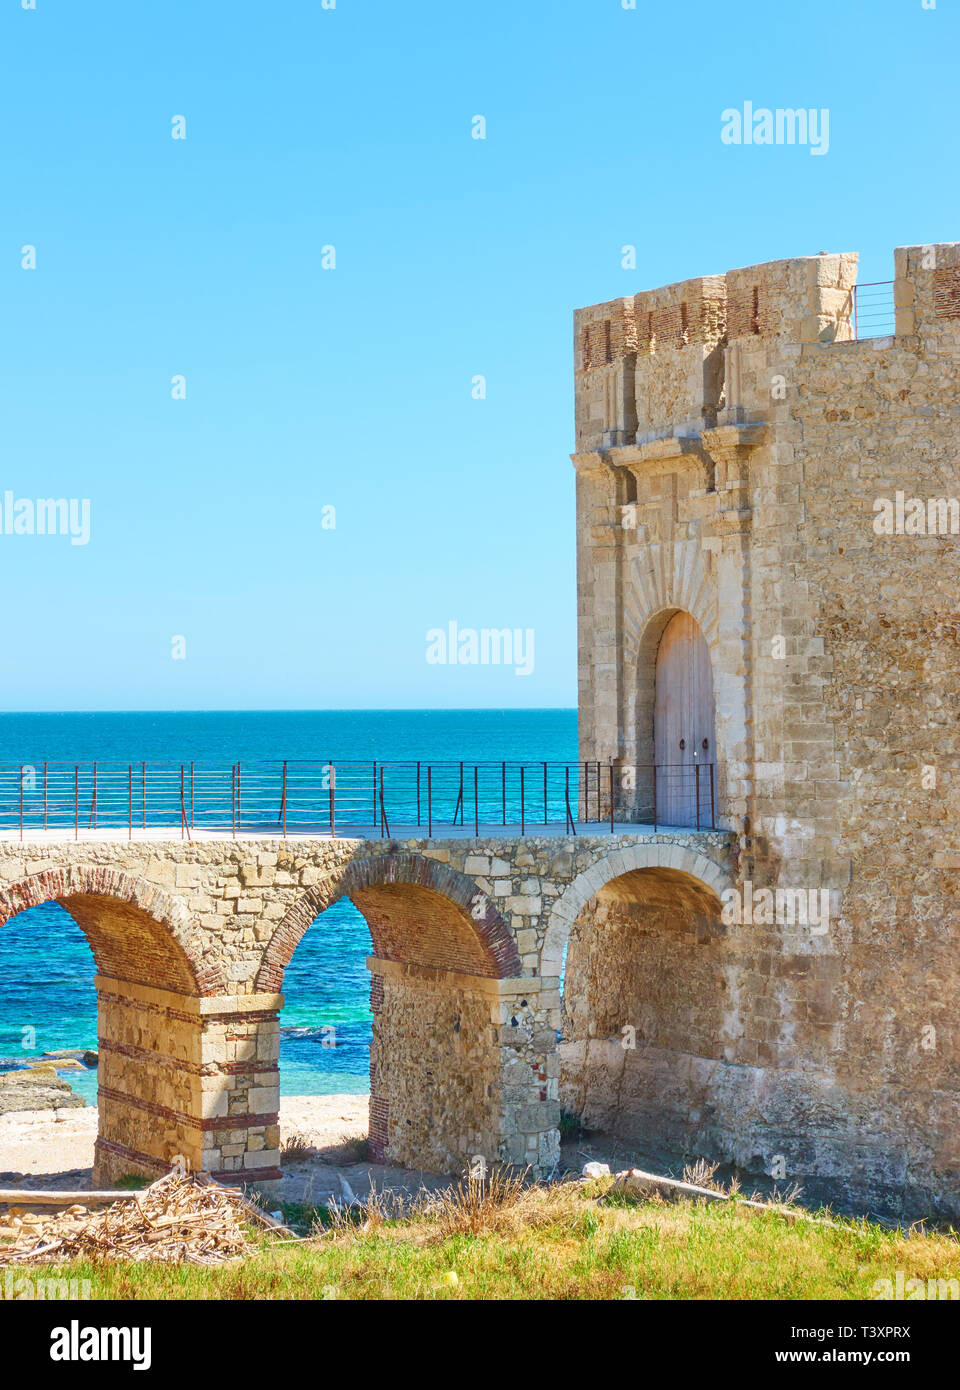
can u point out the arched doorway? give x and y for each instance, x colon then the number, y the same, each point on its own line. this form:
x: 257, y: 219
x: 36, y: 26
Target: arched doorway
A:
x: 642, y: 1017
x: 645, y: 1013
x: 684, y: 725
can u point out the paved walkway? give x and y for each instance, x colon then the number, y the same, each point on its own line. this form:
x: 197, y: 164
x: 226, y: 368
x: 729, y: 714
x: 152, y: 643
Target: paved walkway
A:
x: 411, y: 831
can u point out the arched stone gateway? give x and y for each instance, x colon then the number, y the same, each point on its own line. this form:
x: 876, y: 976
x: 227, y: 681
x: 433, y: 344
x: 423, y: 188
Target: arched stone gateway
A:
x: 658, y: 854
x: 470, y: 935
x: 644, y: 999
x: 441, y: 950
x: 192, y: 937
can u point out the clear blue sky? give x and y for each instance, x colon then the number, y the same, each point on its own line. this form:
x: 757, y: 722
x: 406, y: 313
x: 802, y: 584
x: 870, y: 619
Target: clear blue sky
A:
x: 352, y: 387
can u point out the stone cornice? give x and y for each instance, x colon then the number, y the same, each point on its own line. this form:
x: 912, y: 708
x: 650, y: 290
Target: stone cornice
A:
x: 723, y: 438
x: 720, y: 442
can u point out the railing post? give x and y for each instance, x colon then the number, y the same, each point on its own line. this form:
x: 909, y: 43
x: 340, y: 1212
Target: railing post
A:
x: 129, y: 801
x: 503, y: 789
x: 571, y: 823
x: 429, y: 802
x: 476, y: 806
x: 333, y: 801
x: 611, y: 798
x: 93, y: 806
x: 283, y: 798
x: 21, y: 801
x: 143, y: 779
x: 239, y: 800
x: 44, y: 796
x: 76, y: 801
x: 374, y: 791
x: 191, y: 795
x: 546, y: 819
x: 418, y: 792
x: 523, y: 823
x: 233, y: 797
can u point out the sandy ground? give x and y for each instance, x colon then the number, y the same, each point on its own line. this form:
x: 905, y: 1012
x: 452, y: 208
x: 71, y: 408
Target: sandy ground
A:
x: 54, y: 1149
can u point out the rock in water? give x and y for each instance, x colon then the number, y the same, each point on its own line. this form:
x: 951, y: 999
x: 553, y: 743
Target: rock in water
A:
x: 36, y: 1090
x: 80, y: 1055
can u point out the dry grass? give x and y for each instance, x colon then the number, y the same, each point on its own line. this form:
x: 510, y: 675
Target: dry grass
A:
x: 564, y: 1241
x: 475, y: 1205
x: 503, y: 1203
x: 348, y: 1149
x: 176, y: 1220
x: 296, y: 1147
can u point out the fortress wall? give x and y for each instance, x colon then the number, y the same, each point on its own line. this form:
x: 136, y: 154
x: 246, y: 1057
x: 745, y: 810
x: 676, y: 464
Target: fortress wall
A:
x: 836, y: 667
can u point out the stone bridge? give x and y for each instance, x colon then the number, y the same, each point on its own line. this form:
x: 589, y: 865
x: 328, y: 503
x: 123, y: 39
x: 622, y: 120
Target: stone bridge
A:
x: 191, y: 940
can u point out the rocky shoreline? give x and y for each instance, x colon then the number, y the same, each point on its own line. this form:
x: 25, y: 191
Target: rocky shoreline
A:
x: 35, y: 1083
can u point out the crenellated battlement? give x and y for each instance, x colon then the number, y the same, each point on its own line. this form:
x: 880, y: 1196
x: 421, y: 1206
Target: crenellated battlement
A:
x: 672, y: 360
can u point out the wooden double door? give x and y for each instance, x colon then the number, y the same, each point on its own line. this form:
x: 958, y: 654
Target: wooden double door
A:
x: 684, y: 720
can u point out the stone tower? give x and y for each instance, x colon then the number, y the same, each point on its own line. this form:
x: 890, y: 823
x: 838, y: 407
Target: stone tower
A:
x: 745, y: 462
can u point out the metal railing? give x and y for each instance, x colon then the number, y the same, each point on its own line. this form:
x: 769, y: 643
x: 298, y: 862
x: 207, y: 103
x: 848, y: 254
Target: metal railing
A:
x: 873, y: 312
x: 316, y: 798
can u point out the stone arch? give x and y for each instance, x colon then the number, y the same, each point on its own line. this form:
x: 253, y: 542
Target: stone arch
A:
x: 646, y: 994
x: 651, y: 855
x: 681, y: 580
x: 137, y: 932
x: 467, y: 934
x: 662, y: 581
x: 440, y: 950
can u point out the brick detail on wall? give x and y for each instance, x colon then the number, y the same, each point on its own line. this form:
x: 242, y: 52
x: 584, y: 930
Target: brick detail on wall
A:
x: 379, y: 1124
x: 418, y: 910
x: 137, y: 931
x: 946, y: 292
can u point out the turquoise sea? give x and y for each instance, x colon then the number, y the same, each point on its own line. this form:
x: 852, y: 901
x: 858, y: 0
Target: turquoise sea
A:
x: 48, y: 1002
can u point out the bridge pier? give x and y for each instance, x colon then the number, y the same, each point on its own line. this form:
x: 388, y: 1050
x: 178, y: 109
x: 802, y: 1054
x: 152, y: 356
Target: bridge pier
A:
x: 462, y: 1068
x: 188, y: 1079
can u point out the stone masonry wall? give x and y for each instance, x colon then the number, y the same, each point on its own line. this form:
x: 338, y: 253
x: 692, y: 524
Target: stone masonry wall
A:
x: 465, y: 988
x: 834, y: 655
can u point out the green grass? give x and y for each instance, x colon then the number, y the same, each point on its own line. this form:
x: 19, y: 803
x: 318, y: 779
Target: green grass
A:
x: 554, y: 1244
